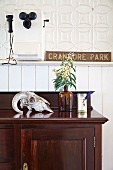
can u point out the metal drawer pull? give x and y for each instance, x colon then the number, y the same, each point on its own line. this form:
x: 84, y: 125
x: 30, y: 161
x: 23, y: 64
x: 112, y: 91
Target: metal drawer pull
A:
x: 25, y: 166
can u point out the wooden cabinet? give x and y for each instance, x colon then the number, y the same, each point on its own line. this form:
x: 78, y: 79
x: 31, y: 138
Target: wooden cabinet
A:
x: 52, y: 143
x: 58, y: 148
x: 64, y: 141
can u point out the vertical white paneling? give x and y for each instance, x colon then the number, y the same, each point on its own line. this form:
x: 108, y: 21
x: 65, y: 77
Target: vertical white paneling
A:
x: 51, y: 77
x: 28, y: 78
x: 14, y: 78
x: 4, y: 78
x: 107, y: 88
x: 42, y: 78
x: 82, y: 78
x: 95, y: 84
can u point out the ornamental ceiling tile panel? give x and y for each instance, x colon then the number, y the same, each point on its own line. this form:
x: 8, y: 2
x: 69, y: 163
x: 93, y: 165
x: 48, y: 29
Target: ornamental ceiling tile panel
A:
x: 100, y: 19
x: 9, y: 9
x: 102, y: 27
x: 2, y: 18
x: 85, y: 37
x: 84, y: 15
x: 49, y: 2
x: 106, y: 7
x: 49, y: 5
x: 2, y: 52
x: 50, y: 38
x: 101, y: 41
x: 101, y: 46
x: 11, y: 2
x: 65, y: 38
x: 102, y: 9
x: 84, y: 26
x: 27, y: 2
x: 84, y: 2
x: 65, y: 20
x: 52, y: 20
x: 50, y: 12
x: 65, y: 46
x: 66, y: 2
x: 83, y: 46
x: 102, y: 13
x: 101, y: 2
x: 2, y: 36
x: 84, y: 9
x: 65, y: 16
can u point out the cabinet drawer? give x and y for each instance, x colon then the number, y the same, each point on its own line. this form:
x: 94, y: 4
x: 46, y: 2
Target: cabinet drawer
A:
x: 58, y: 149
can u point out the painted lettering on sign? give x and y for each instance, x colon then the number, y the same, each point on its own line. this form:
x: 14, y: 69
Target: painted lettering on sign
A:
x: 79, y: 56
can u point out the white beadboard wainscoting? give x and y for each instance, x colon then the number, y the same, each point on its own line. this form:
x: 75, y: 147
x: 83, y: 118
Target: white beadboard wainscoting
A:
x: 89, y: 76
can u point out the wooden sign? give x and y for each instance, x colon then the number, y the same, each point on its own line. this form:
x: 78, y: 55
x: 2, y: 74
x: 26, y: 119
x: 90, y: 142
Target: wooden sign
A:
x: 79, y: 56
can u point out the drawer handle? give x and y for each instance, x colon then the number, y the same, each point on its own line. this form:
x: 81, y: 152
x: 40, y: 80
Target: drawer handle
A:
x: 25, y: 166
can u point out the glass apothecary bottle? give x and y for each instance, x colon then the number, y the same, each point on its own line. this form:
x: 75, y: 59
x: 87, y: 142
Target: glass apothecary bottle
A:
x: 65, y: 100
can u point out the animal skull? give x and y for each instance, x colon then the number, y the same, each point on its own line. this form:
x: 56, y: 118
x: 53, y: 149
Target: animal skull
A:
x: 31, y: 101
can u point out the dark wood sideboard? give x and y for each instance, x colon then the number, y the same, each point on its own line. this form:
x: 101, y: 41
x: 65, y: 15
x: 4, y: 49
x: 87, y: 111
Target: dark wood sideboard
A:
x: 61, y: 142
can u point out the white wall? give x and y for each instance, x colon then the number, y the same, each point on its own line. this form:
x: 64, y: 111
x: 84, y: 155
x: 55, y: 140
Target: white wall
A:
x: 81, y: 25
x: 39, y: 77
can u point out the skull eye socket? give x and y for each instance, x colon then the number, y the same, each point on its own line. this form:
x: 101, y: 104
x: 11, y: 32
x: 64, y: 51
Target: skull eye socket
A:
x: 31, y: 100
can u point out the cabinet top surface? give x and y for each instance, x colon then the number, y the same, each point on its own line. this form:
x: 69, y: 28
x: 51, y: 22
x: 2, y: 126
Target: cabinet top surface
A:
x: 10, y: 116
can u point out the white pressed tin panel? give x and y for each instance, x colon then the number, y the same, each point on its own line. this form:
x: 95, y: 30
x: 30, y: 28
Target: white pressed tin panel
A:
x: 65, y: 25
x: 65, y: 16
x: 2, y: 52
x: 50, y: 12
x: 95, y: 84
x: 2, y: 36
x: 107, y: 87
x: 42, y: 78
x: 49, y: 7
x: 51, y: 38
x: 27, y: 2
x: 65, y: 39
x: 101, y: 25
x: 2, y: 17
x: 28, y: 78
x: 14, y: 78
x: 82, y: 78
x: 7, y: 2
x: 4, y: 78
x: 3, y: 40
x: 66, y: 3
x: 84, y: 25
